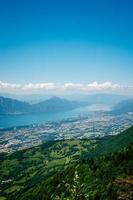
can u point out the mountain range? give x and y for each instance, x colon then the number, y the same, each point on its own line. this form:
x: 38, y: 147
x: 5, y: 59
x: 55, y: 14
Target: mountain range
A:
x: 97, y: 98
x: 10, y: 106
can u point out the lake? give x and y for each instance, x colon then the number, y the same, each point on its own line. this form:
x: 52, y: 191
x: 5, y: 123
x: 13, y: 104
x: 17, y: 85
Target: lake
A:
x: 20, y: 120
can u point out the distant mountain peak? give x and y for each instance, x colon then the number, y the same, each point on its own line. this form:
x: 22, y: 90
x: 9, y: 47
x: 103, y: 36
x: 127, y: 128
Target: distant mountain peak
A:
x: 55, y: 98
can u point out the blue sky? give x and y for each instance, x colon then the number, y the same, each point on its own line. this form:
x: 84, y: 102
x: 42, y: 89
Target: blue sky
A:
x: 66, y: 41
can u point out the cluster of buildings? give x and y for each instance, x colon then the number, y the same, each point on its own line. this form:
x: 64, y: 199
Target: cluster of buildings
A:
x: 96, y: 125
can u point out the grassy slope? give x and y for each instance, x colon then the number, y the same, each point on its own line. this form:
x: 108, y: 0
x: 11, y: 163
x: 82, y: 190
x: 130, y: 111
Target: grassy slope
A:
x: 114, y: 143
x: 104, y: 178
x: 26, y: 171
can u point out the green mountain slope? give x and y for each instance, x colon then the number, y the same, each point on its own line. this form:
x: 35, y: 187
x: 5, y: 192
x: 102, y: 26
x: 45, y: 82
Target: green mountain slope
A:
x: 106, y: 178
x: 29, y: 171
x: 111, y: 144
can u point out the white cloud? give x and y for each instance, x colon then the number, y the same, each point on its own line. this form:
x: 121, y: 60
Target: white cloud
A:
x: 70, y: 87
x: 73, y: 86
x: 103, y: 86
x: 5, y: 86
x: 130, y: 86
x: 92, y: 86
x: 45, y: 86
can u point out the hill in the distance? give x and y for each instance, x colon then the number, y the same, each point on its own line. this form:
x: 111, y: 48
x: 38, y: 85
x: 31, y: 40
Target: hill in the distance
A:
x: 56, y: 104
x: 103, y: 98
x: 73, y: 169
x: 123, y: 107
x: 11, y: 106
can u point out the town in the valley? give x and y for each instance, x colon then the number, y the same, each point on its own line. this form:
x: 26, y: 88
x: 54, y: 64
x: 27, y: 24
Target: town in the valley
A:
x: 80, y: 127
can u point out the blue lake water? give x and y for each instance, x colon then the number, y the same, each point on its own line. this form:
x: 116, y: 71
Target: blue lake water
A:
x: 20, y: 120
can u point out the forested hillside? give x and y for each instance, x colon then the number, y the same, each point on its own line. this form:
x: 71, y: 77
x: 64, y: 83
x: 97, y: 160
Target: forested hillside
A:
x: 73, y: 169
x: 106, y: 178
